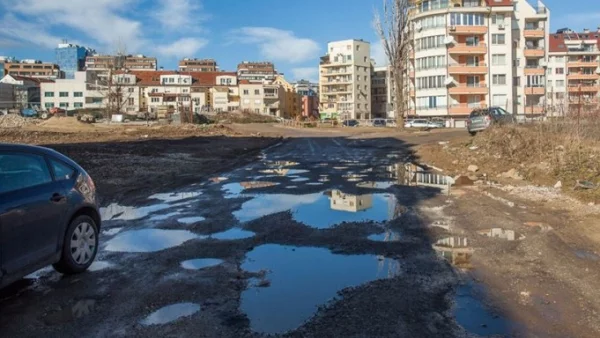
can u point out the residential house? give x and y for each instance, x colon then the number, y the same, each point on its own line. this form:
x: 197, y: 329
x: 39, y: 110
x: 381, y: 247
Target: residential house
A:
x: 26, y: 90
x: 83, y: 91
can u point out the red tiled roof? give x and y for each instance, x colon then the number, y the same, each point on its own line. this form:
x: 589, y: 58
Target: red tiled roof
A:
x: 557, y: 40
x: 244, y: 82
x: 152, y: 78
x: 497, y: 3
x: 32, y: 79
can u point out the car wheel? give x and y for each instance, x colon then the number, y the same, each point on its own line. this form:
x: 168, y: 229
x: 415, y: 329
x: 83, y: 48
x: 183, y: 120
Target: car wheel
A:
x: 79, y: 247
x: 473, y: 133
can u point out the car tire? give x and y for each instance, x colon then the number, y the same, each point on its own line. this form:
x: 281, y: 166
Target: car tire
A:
x: 79, y: 246
x: 472, y: 133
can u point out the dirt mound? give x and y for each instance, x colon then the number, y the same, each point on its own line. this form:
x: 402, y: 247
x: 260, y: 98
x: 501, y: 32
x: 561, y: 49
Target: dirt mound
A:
x: 65, y: 123
x: 14, y: 121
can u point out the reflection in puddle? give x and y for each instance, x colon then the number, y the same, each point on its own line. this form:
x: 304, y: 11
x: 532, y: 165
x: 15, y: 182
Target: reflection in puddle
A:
x: 171, y: 313
x: 291, y: 187
x: 284, y: 172
x: 80, y: 309
x: 111, y: 231
x: 191, y: 220
x: 202, y: 263
x: 302, y: 279
x: 118, y: 212
x: 233, y: 234
x: 218, y: 179
x: 508, y: 235
x: 175, y: 197
x: 584, y: 254
x: 234, y: 190
x: 388, y: 236
x: 475, y: 317
x: 301, y: 179
x: 411, y: 174
x: 314, y: 183
x: 281, y: 163
x: 263, y: 205
x: 375, y: 185
x: 100, y: 265
x: 149, y: 240
x: 455, y: 250
x: 164, y: 217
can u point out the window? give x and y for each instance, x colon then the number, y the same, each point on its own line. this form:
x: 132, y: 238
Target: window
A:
x: 78, y: 105
x: 560, y: 83
x: 498, y: 19
x: 433, y: 22
x: 348, y: 58
x: 130, y: 90
x: 357, y: 48
x: 257, y: 111
x: 62, y: 172
x: 64, y: 104
x: 430, y: 42
x: 77, y: 94
x: 498, y: 39
x: 130, y: 101
x: 499, y: 79
x: 246, y: 92
x: 155, y: 99
x: 48, y: 94
x: 358, y: 105
x: 517, y: 62
x: 21, y: 171
x: 499, y: 100
x: 365, y: 78
x: 428, y: 82
x: 256, y: 101
x: 466, y: 19
x: 357, y: 77
x: 549, y: 83
x: 430, y: 62
x: 365, y: 59
x: 431, y: 102
x: 63, y: 94
x: 256, y: 91
x: 498, y: 59
x: 560, y: 70
x: 49, y: 105
x: 472, y: 41
x: 536, y: 80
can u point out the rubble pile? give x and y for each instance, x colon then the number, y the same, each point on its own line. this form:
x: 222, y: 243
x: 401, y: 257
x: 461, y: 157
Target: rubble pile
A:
x: 13, y: 121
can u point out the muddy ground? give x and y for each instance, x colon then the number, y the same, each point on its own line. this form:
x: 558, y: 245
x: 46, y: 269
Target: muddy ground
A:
x: 327, y: 234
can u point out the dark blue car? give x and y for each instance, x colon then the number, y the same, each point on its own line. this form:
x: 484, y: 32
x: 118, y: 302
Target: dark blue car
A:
x: 48, y: 213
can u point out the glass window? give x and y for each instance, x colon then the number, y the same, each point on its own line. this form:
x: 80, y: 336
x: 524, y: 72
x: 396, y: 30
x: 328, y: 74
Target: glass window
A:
x: 20, y: 171
x: 49, y: 105
x: 257, y: 92
x: 62, y: 171
x: 63, y: 94
x: 48, y: 94
x: 560, y: 70
x: 78, y: 105
x: 498, y: 39
x: 80, y: 94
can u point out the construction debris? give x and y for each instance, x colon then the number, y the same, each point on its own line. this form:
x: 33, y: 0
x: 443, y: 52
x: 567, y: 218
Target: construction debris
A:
x: 14, y: 121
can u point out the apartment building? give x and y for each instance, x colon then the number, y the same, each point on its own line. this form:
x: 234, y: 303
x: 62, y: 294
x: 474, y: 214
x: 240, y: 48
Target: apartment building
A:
x: 71, y: 58
x: 267, y: 98
x: 73, y: 93
x: 345, y: 80
x: 116, y: 62
x: 256, y: 72
x: 26, y: 90
x: 32, y: 68
x: 573, y: 72
x: 381, y: 92
x: 476, y: 53
x: 292, y: 105
x: 198, y: 65
x: 140, y: 62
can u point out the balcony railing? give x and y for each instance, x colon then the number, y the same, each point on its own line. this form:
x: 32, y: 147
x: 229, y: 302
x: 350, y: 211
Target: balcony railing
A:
x: 466, y: 68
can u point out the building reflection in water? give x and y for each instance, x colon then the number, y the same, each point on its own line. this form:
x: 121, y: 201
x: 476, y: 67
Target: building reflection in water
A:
x: 456, y: 250
x: 411, y: 174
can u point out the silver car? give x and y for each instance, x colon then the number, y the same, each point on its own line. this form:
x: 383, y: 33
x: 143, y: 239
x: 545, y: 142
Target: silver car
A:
x: 424, y: 124
x: 481, y: 119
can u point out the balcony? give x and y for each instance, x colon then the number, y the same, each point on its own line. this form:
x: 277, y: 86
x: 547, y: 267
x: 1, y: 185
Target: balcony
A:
x: 582, y: 76
x: 461, y: 68
x: 463, y: 48
x: 583, y: 88
x: 467, y: 30
x: 534, y: 70
x: 536, y: 33
x: 463, y: 108
x: 464, y: 89
x: 534, y: 109
x: 535, y: 90
x: 582, y: 64
x: 534, y: 52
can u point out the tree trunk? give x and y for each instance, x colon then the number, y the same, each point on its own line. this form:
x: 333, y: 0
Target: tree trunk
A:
x: 400, y: 108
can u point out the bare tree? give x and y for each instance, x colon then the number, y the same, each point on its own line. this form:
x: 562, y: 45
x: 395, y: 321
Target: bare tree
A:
x: 394, y: 29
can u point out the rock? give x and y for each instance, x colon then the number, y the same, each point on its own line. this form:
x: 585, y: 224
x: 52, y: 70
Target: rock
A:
x: 443, y: 143
x: 473, y: 168
x: 558, y: 185
x: 473, y: 148
x: 455, y: 162
x: 513, y: 174
x: 591, y: 204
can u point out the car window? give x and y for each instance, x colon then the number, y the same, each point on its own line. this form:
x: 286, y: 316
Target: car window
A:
x: 20, y: 171
x: 475, y: 113
x: 62, y: 171
x: 500, y: 111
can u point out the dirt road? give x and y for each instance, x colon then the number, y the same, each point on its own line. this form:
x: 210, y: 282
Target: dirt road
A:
x: 322, y: 236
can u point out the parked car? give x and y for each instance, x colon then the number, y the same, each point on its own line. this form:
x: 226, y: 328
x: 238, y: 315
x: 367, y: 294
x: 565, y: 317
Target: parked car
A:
x: 422, y: 123
x: 29, y: 112
x: 350, y: 123
x: 391, y: 123
x: 378, y: 122
x: 481, y: 119
x: 48, y: 213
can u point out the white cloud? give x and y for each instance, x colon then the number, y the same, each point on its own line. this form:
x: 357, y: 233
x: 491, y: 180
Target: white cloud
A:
x: 306, y: 73
x: 182, y: 47
x: 278, y: 45
x: 180, y: 15
x: 13, y: 28
x: 378, y: 54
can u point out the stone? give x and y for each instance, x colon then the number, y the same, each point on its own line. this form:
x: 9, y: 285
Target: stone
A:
x: 513, y: 174
x: 462, y: 180
x: 455, y: 162
x: 473, y: 168
x: 558, y: 185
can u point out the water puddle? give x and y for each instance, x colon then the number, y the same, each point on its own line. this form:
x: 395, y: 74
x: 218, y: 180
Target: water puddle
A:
x: 100, y: 265
x: 500, y: 233
x: 175, y: 197
x: 584, y: 254
x: 111, y: 231
x: 455, y: 250
x: 234, y: 190
x: 472, y: 314
x: 284, y: 172
x: 387, y: 236
x: 291, y: 187
x: 170, y: 313
x: 301, y: 179
x: 78, y: 310
x: 218, y: 179
x: 201, y: 263
x: 411, y: 174
x: 292, y: 269
x: 124, y: 213
x: 281, y: 164
x: 149, y: 240
x: 376, y: 185
x: 323, y: 210
x: 191, y: 220
x: 233, y: 234
x: 314, y: 183
x: 164, y: 217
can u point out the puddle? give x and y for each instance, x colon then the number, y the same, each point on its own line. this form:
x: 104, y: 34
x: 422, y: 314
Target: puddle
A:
x: 111, y: 232
x: 164, y: 217
x: 218, y: 179
x: 354, y: 179
x: 301, y: 179
x: 314, y: 183
x: 284, y: 172
x: 233, y: 234
x: 292, y: 269
x: 291, y: 187
x: 340, y: 168
x: 472, y: 314
x: 191, y: 220
x: 118, y: 212
x: 500, y: 233
x: 584, y: 254
x: 375, y: 185
x: 323, y: 210
x: 234, y: 190
x: 387, y: 236
x: 201, y: 263
x: 175, y: 197
x: 100, y: 265
x: 171, y: 313
x: 78, y: 310
x: 149, y: 240
x: 281, y: 163
x: 455, y: 250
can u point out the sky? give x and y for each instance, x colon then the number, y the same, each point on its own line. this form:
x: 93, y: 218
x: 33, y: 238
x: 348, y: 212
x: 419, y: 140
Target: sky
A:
x: 292, y: 34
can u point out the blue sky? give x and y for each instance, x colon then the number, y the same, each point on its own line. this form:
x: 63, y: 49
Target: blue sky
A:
x: 293, y: 34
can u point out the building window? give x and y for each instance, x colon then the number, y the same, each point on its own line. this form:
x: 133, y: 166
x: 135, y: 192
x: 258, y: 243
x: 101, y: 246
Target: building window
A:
x: 64, y: 104
x: 466, y: 19
x: 130, y: 90
x: 78, y: 94
x: 498, y: 19
x: 257, y: 92
x: 366, y: 78
x: 560, y: 70
x: 348, y: 58
x: 560, y: 83
x: 499, y: 100
x: 498, y: 59
x: 130, y: 101
x: 357, y: 48
x: 78, y: 105
x: 63, y: 94
x: 365, y: 59
x: 246, y: 92
x: 48, y: 94
x: 49, y: 105
x: 499, y: 79
x: 257, y: 111
x: 498, y: 39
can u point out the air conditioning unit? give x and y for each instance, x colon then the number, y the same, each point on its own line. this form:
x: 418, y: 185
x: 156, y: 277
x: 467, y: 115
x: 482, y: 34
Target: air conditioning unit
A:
x: 449, y: 80
x: 452, y: 28
x: 448, y: 40
x: 501, y: 27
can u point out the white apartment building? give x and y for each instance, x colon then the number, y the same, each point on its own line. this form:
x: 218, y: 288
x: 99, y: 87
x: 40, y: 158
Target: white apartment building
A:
x: 476, y: 53
x: 345, y: 80
x: 381, y: 93
x: 265, y: 98
x: 173, y: 92
x: 76, y: 93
